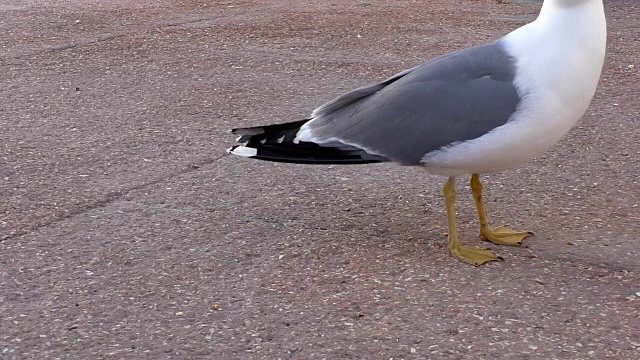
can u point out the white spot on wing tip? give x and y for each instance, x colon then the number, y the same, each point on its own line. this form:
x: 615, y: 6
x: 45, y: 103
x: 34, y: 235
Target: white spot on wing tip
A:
x: 243, y: 151
x: 304, y: 134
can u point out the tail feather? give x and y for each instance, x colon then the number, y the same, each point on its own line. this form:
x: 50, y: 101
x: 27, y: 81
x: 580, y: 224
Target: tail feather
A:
x: 276, y: 143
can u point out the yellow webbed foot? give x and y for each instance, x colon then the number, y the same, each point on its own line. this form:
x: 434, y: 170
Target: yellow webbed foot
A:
x: 502, y: 235
x: 472, y: 255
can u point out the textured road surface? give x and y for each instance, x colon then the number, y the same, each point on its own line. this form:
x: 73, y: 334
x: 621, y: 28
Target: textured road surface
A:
x: 126, y: 233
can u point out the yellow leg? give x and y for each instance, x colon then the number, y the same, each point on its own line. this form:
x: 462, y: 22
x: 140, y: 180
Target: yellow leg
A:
x: 501, y: 235
x: 468, y: 254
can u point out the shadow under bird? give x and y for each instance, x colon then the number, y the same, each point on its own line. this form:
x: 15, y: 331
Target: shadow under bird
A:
x: 476, y: 111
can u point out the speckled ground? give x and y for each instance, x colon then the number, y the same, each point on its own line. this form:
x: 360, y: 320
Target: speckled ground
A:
x: 126, y: 233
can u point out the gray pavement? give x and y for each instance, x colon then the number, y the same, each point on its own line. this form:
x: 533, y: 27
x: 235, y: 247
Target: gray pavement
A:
x: 127, y: 233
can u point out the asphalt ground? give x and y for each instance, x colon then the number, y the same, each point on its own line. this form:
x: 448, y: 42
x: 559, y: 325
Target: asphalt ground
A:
x: 127, y: 233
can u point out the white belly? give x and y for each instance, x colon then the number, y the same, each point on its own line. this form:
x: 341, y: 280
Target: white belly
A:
x: 506, y: 147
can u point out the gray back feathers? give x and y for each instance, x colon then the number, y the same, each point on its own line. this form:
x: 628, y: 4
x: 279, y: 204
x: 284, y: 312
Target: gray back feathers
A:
x: 453, y: 98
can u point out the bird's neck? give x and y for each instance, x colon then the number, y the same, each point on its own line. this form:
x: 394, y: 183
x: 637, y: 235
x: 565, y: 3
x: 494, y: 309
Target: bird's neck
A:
x: 585, y: 8
x: 578, y: 23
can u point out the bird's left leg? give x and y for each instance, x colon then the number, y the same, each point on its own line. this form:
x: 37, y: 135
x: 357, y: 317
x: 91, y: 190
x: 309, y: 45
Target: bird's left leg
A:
x: 470, y: 255
x: 501, y: 235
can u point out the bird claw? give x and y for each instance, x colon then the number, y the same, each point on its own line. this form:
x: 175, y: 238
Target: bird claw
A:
x: 503, y: 235
x: 472, y: 255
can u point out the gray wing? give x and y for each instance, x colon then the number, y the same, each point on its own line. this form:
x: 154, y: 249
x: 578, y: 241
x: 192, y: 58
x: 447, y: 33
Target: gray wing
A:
x: 456, y: 97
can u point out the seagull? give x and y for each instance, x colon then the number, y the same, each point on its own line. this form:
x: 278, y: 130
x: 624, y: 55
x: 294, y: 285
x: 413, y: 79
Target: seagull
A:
x: 480, y: 110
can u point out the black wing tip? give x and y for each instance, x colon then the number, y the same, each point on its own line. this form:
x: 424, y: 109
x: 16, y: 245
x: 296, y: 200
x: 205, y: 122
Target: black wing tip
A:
x: 277, y: 143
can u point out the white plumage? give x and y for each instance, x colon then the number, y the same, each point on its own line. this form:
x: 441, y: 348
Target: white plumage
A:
x: 559, y: 58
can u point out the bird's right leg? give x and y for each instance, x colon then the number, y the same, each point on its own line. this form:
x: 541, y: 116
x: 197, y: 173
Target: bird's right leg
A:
x: 501, y: 235
x: 468, y: 254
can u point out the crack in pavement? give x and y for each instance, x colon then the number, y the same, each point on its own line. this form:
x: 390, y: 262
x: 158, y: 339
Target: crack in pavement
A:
x: 109, y: 198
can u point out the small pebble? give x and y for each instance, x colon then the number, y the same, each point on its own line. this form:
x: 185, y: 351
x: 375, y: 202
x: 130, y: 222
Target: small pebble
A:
x: 179, y: 313
x: 215, y: 307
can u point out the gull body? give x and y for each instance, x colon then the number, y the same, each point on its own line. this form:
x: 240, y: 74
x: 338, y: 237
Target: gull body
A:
x: 479, y: 110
